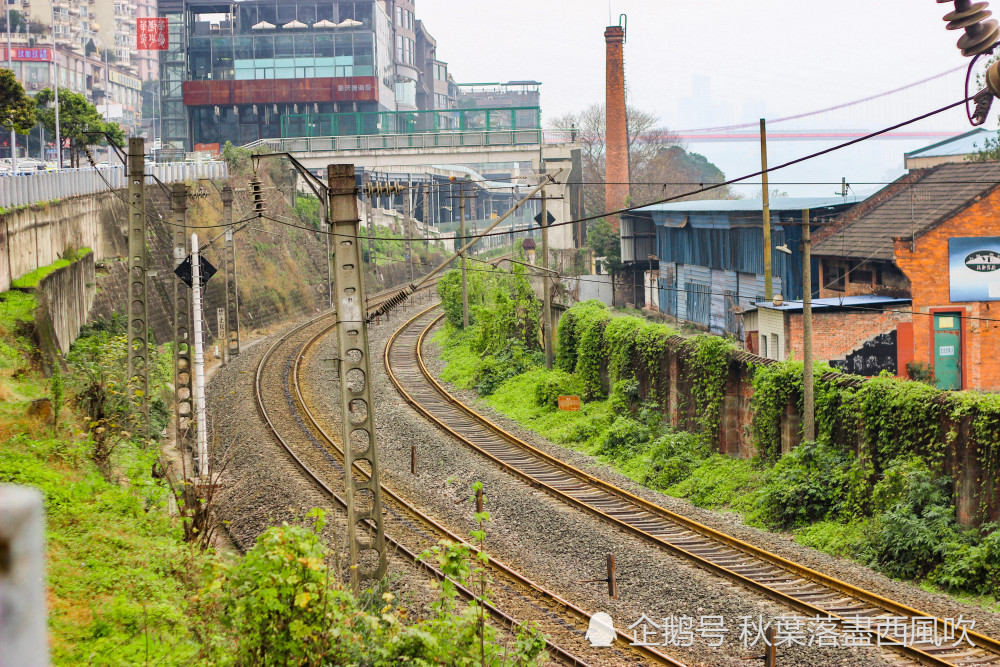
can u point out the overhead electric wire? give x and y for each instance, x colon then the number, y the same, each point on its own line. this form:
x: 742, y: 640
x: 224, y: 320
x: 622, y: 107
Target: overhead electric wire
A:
x: 707, y: 188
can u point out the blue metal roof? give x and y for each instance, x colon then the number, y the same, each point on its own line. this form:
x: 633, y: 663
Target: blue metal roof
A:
x: 867, y: 300
x: 961, y: 144
x: 749, y: 205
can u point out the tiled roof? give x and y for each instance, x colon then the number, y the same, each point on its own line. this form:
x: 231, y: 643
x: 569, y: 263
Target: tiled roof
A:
x: 907, y: 208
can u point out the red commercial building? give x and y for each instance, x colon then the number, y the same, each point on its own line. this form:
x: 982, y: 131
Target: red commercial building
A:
x: 932, y: 236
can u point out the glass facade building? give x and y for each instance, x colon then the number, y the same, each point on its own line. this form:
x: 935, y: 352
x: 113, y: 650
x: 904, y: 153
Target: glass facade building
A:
x: 250, y: 64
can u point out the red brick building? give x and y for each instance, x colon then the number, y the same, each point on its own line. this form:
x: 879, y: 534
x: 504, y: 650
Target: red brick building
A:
x: 932, y: 236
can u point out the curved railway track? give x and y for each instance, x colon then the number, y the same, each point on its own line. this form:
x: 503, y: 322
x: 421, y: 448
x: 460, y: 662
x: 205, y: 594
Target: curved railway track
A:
x: 409, y: 532
x: 786, y: 582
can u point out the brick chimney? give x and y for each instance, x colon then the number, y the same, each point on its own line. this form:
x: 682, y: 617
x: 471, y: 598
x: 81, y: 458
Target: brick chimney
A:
x: 616, y: 174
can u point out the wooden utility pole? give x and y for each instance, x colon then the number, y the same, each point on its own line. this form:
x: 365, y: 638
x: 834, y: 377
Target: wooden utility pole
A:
x: 137, y: 307
x: 546, y: 295
x: 365, y: 529
x: 768, y: 287
x: 461, y: 233
x: 808, y: 407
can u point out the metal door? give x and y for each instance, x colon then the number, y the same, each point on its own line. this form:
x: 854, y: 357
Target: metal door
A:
x: 948, y: 351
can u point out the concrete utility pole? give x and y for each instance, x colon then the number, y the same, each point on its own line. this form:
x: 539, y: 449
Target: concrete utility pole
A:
x: 23, y: 628
x: 232, y: 342
x: 408, y: 225
x: 137, y: 308
x: 768, y: 287
x: 357, y: 408
x: 808, y: 407
x: 461, y: 233
x: 182, y: 320
x: 201, y: 418
x: 427, y: 217
x: 372, y: 260
x: 546, y: 295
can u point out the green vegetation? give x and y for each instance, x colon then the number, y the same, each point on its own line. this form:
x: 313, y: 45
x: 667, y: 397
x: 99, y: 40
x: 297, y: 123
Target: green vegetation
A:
x: 17, y: 110
x: 79, y: 121
x: 871, y: 487
x: 131, y: 582
x: 32, y: 279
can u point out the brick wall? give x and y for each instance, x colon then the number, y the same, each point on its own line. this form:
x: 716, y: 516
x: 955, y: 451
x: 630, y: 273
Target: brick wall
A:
x: 616, y: 166
x: 927, y: 268
x: 836, y: 334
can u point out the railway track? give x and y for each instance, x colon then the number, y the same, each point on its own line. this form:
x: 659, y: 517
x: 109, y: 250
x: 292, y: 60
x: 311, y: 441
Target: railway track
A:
x: 409, y: 532
x: 800, y: 588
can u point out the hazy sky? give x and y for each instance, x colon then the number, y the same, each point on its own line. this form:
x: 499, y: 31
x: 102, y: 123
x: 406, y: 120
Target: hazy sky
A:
x: 771, y: 57
x: 795, y: 54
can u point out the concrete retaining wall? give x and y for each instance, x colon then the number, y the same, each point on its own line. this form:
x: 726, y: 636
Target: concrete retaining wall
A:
x: 64, y: 298
x: 35, y: 237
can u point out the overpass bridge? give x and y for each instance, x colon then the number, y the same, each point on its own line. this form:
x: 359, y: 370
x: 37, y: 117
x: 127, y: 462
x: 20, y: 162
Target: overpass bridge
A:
x: 513, y: 151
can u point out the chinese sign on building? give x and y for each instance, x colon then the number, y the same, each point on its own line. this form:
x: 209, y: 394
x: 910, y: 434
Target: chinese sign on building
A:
x: 18, y: 53
x: 152, y: 34
x: 974, y: 268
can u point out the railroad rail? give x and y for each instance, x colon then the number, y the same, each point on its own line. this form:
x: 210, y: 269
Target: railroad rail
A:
x: 400, y: 514
x: 786, y: 582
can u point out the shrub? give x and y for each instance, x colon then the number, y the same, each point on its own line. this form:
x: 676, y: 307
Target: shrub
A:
x: 624, y: 438
x: 555, y: 384
x: 510, y: 361
x: 672, y: 457
x: 624, y: 399
x: 911, y: 538
x: 972, y: 562
x: 808, y: 484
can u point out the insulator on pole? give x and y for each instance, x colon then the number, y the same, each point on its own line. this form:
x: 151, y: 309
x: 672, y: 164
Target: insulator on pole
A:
x: 257, y: 194
x: 981, y: 32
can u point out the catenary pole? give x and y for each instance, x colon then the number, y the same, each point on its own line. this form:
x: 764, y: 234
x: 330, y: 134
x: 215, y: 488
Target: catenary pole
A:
x: 232, y: 283
x: 182, y: 321
x: 461, y: 233
x: 546, y: 291
x: 137, y: 306
x: 365, y: 529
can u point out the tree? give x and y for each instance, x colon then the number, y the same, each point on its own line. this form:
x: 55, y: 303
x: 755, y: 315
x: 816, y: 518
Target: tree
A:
x: 659, y: 164
x: 78, y: 118
x: 602, y: 239
x: 17, y: 110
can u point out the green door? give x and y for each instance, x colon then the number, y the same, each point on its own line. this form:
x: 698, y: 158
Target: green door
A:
x: 948, y: 351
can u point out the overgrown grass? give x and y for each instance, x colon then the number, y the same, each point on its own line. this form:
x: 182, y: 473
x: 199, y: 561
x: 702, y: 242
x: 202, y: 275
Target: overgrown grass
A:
x: 898, y: 519
x: 32, y: 279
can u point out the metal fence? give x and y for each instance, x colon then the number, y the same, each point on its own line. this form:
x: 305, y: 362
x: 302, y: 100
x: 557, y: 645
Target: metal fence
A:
x: 26, y: 189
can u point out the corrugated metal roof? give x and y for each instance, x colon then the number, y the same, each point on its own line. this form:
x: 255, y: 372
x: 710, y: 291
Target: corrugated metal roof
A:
x: 915, y: 203
x: 960, y: 144
x: 720, y: 205
x: 863, y: 301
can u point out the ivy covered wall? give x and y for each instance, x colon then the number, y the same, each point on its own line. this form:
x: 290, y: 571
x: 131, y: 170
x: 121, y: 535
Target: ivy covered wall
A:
x: 744, y: 405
